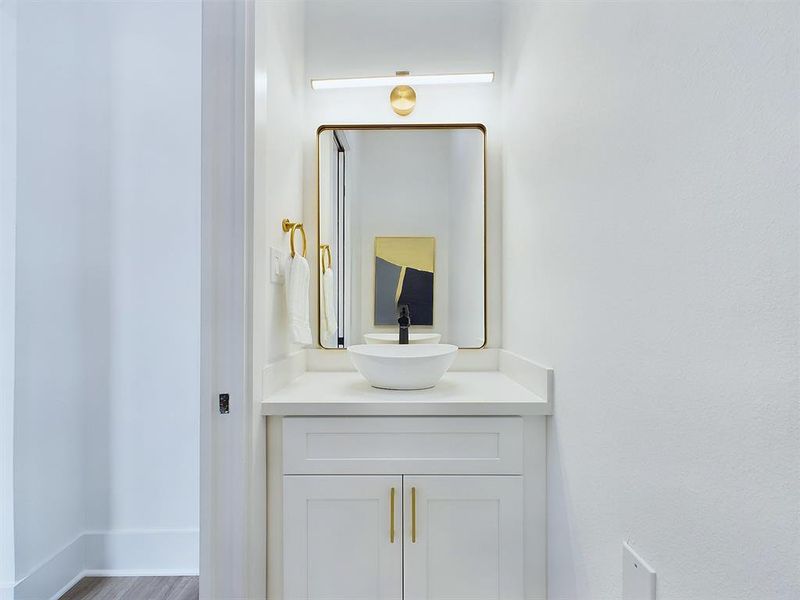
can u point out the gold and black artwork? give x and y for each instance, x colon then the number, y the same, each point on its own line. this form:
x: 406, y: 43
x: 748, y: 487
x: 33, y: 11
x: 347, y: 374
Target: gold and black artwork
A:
x: 404, y: 268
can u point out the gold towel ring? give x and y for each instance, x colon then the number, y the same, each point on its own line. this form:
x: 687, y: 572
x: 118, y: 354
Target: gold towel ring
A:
x: 289, y: 226
x: 326, y: 251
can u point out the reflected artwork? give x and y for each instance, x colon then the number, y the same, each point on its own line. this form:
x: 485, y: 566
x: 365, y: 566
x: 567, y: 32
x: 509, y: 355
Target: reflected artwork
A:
x: 404, y: 268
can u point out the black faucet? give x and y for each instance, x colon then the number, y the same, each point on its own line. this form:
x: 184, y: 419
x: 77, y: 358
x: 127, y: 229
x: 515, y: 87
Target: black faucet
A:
x: 404, y: 321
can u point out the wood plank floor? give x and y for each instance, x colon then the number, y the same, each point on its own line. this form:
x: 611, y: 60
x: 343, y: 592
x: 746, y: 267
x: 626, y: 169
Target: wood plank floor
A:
x: 134, y: 588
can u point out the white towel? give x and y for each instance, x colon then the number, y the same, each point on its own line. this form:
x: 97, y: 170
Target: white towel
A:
x: 328, y: 305
x: 297, y: 277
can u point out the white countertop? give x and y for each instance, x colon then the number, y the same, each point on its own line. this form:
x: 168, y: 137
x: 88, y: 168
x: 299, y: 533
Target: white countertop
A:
x: 458, y: 393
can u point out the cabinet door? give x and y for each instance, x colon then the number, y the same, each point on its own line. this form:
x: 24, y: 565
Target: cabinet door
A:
x: 463, y: 538
x: 337, y: 534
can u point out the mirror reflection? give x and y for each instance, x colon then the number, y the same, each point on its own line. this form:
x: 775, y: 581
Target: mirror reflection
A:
x: 402, y: 235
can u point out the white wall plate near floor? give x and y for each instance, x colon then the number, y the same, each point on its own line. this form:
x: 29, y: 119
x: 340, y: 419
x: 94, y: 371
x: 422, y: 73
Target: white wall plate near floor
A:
x: 638, y: 578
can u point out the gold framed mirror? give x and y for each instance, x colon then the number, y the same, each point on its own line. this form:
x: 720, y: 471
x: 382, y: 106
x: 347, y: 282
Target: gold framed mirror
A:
x: 401, y: 222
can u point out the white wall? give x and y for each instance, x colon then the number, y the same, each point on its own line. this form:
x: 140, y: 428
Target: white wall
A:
x: 62, y: 264
x: 280, y: 104
x: 8, y: 205
x: 423, y: 37
x: 153, y: 420
x: 107, y: 363
x: 277, y: 194
x: 651, y: 257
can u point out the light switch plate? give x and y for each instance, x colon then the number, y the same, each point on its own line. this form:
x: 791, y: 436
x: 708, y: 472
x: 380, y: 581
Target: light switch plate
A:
x: 638, y: 578
x: 276, y: 266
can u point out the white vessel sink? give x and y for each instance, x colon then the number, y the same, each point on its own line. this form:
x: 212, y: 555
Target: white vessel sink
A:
x: 394, y: 338
x: 402, y: 367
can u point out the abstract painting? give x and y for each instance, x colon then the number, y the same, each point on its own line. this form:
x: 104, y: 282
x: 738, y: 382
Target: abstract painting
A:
x: 404, y: 275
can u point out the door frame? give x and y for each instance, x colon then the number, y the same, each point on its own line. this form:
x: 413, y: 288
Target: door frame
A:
x: 226, y: 285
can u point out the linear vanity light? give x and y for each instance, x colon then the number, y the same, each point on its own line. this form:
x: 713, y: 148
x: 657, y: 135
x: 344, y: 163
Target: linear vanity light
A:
x: 401, y: 79
x: 403, y: 97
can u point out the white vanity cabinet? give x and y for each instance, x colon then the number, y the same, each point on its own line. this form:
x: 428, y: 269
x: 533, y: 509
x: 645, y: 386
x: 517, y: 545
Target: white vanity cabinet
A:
x: 418, y: 508
x: 464, y: 539
x: 338, y: 537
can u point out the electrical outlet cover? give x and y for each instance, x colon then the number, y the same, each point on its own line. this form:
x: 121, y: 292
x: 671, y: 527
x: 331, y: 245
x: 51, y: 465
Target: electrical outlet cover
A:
x: 638, y: 578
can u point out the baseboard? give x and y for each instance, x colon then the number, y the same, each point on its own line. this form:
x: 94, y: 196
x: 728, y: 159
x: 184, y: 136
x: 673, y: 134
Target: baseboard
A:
x: 50, y: 578
x: 112, y: 554
x: 142, y: 552
x: 138, y: 573
x: 68, y: 586
x: 6, y: 591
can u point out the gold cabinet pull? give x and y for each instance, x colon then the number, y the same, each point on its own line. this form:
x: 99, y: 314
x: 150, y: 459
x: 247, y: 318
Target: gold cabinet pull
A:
x: 413, y: 515
x: 391, y: 516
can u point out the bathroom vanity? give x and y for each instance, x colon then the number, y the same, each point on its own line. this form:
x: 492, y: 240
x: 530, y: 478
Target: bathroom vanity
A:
x: 435, y: 493
x: 423, y: 502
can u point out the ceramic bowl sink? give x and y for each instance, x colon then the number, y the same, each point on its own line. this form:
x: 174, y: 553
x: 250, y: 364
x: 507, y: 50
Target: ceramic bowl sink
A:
x: 402, y: 367
x: 394, y: 338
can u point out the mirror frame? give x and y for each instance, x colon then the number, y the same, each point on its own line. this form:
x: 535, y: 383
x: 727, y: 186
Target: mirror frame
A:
x: 410, y: 126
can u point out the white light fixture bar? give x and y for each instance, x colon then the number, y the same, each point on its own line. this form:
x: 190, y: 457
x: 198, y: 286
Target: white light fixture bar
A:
x: 393, y: 80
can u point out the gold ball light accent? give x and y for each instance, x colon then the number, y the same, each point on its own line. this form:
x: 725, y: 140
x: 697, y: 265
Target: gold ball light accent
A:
x: 403, y: 98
